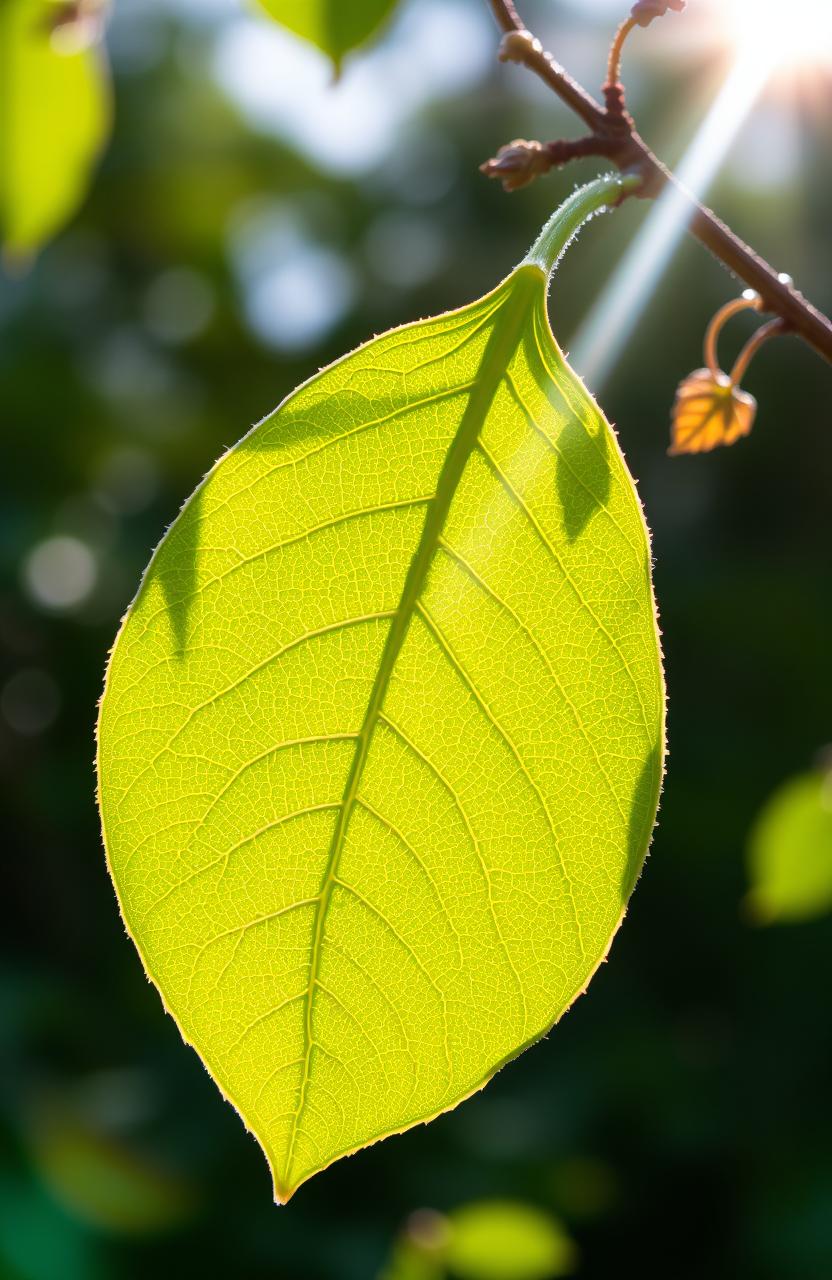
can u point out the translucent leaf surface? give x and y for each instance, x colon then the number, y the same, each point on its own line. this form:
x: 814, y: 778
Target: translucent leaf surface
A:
x: 382, y: 733
x: 790, y: 852
x: 709, y: 412
x: 54, y: 117
x: 332, y: 25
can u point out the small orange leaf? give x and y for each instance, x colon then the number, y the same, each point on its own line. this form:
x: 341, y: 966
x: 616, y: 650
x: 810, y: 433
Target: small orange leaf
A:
x: 709, y: 411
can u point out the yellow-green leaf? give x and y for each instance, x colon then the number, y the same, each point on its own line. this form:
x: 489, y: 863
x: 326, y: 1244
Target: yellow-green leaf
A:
x: 790, y: 852
x: 483, y: 1240
x: 333, y: 26
x: 382, y: 733
x: 503, y: 1240
x: 54, y: 118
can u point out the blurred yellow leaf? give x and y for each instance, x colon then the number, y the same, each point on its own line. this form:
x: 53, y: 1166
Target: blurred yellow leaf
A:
x: 709, y: 412
x: 504, y: 1240
x: 54, y: 118
x: 790, y: 852
x: 334, y: 26
x: 483, y: 1240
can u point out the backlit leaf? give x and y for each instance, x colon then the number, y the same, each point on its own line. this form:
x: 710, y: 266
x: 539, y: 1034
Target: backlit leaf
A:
x: 54, y: 117
x: 790, y: 852
x: 709, y: 412
x: 334, y: 26
x: 382, y: 733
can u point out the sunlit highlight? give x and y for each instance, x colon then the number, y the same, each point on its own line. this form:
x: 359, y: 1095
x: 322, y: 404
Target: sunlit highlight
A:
x: 772, y: 38
x: 784, y: 33
x: 610, y: 322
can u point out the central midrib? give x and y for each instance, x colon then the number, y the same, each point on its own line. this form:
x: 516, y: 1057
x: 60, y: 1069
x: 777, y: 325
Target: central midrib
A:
x: 503, y: 341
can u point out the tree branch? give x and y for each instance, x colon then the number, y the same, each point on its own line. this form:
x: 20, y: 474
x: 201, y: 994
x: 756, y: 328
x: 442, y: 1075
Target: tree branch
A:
x: 614, y: 136
x: 550, y: 71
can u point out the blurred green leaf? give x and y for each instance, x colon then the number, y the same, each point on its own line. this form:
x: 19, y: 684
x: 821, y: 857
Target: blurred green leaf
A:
x: 503, y: 1240
x: 335, y: 26
x: 54, y: 116
x: 790, y: 852
x: 99, y: 1179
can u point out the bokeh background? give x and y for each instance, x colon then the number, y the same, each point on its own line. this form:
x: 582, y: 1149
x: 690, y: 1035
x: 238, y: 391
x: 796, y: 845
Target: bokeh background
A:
x: 249, y: 223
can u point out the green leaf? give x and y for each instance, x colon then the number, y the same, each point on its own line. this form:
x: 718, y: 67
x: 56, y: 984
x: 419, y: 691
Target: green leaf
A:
x: 502, y: 1240
x: 99, y: 1178
x: 790, y: 852
x: 331, y: 25
x: 382, y: 733
x: 54, y: 118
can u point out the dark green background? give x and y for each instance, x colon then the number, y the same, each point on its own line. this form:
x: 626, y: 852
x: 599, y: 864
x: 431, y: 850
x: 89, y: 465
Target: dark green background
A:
x: 678, y: 1120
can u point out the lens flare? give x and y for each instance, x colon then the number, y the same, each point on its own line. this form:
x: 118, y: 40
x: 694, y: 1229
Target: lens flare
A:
x: 786, y: 34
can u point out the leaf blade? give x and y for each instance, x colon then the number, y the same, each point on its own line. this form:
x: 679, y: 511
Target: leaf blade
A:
x: 334, y: 28
x: 790, y: 852
x: 54, y: 118
x: 450, y: 573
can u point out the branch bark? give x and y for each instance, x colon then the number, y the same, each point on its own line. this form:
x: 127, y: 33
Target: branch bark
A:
x: 616, y: 138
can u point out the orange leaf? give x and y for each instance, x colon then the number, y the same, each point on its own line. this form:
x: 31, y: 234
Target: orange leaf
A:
x: 709, y: 412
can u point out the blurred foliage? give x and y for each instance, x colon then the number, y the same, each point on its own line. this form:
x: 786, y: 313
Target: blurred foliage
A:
x: 502, y: 1240
x: 331, y: 25
x: 484, y: 1240
x: 97, y: 1176
x: 790, y: 852
x: 679, y: 1115
x: 54, y: 116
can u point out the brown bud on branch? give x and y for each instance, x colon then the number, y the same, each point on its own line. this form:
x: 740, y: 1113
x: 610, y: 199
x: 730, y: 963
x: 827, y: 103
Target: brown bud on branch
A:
x: 521, y: 161
x: 518, y: 164
x: 645, y: 11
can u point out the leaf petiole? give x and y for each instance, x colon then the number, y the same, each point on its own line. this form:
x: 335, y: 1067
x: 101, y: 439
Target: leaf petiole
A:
x: 577, y: 209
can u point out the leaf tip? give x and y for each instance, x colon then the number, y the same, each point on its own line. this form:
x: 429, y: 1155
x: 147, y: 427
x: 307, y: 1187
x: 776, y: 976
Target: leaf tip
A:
x: 282, y: 1192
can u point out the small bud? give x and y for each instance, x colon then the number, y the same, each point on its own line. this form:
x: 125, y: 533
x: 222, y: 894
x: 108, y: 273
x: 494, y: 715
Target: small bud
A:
x: 76, y: 25
x: 518, y: 163
x: 645, y: 11
x: 516, y: 46
x: 709, y: 411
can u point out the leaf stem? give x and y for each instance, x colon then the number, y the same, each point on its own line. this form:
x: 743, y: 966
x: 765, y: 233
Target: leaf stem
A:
x: 772, y: 329
x: 747, y: 301
x: 568, y: 219
x: 616, y: 48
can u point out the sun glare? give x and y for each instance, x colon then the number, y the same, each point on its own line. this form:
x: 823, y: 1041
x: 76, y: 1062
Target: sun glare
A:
x: 785, y: 33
